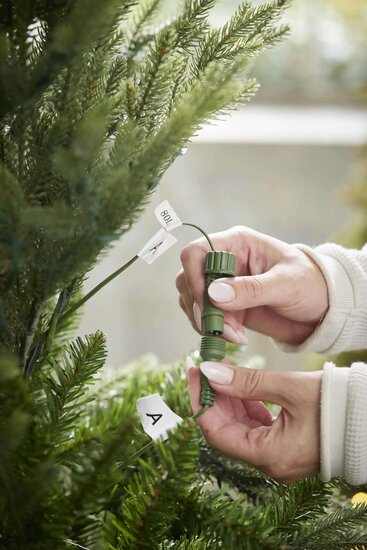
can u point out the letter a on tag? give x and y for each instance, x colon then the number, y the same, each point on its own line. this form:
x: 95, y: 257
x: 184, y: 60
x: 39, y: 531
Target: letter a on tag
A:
x: 166, y: 216
x: 158, y: 244
x: 156, y: 417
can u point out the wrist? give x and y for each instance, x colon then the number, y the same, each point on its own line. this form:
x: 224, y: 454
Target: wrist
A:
x: 325, y: 335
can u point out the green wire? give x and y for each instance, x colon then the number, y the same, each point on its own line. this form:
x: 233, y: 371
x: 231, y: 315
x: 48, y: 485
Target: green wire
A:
x: 97, y: 288
x: 150, y: 444
x: 103, y: 283
x: 199, y: 413
x: 203, y: 232
x: 118, y: 271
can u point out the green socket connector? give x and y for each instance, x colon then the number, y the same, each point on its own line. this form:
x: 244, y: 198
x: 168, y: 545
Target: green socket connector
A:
x: 217, y: 265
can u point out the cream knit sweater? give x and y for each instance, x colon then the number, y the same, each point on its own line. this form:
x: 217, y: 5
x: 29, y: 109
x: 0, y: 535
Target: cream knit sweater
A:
x: 344, y: 390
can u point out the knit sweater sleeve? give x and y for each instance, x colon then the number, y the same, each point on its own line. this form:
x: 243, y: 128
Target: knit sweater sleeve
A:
x: 344, y: 423
x: 345, y: 324
x: 343, y: 394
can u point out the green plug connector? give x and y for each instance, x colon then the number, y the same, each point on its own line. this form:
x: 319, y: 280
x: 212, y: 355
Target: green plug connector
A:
x: 213, y: 348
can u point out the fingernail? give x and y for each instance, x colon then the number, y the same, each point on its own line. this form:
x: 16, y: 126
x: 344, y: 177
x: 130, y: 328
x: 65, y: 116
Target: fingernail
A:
x: 197, y: 315
x: 242, y: 338
x: 217, y: 372
x: 189, y: 362
x: 230, y: 334
x: 221, y: 292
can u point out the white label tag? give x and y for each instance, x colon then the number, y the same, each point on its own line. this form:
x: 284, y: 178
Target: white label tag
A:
x: 156, y: 417
x: 166, y: 216
x: 158, y: 244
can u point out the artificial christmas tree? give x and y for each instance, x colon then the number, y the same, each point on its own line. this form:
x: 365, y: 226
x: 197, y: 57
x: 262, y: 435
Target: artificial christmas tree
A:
x: 96, y: 103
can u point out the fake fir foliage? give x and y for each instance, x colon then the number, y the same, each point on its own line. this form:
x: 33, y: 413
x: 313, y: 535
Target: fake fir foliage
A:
x: 97, y: 100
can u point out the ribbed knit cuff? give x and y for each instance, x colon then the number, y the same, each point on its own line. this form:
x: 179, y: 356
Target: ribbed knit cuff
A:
x: 356, y: 427
x: 341, y: 302
x: 334, y: 401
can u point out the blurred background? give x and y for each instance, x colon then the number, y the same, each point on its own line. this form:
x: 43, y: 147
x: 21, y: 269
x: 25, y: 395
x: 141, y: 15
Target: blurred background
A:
x: 281, y: 166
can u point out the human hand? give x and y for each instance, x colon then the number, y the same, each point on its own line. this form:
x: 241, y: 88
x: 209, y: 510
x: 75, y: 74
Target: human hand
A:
x: 279, y: 291
x: 239, y: 425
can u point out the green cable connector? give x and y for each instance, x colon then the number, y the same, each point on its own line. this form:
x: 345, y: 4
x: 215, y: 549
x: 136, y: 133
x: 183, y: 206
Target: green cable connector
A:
x: 213, y: 348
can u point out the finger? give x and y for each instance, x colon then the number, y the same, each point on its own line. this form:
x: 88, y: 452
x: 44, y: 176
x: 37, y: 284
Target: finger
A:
x: 183, y: 291
x: 233, y: 330
x: 241, y: 412
x: 255, y: 385
x: 216, y: 416
x: 223, y: 405
x: 193, y: 261
x: 193, y: 378
x: 189, y: 315
x: 258, y: 411
x: 271, y: 288
x: 267, y: 321
x: 253, y: 445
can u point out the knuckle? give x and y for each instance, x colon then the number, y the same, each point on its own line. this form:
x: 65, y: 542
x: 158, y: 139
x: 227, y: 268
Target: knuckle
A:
x: 251, y: 288
x: 250, y: 380
x: 238, y: 229
x: 182, y: 304
x: 194, y: 250
x: 185, y: 253
x: 180, y: 281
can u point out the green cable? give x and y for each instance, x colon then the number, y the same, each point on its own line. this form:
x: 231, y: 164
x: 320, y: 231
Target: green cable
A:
x: 201, y: 231
x: 139, y: 452
x: 118, y: 271
x: 150, y: 444
x: 46, y: 338
x: 97, y: 288
x: 200, y: 413
x: 103, y: 283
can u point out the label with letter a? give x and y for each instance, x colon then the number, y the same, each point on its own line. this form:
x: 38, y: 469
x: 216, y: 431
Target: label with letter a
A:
x: 166, y: 216
x: 158, y: 244
x: 156, y: 417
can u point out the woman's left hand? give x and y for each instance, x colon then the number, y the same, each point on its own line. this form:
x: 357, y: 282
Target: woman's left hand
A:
x: 239, y: 425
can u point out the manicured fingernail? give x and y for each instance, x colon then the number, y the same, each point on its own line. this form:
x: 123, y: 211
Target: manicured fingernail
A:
x: 197, y: 315
x: 221, y: 292
x: 230, y: 334
x: 242, y: 338
x: 190, y: 363
x: 217, y: 372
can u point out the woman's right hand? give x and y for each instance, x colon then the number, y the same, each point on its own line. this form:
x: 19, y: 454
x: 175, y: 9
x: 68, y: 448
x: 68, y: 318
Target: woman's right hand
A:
x: 278, y: 290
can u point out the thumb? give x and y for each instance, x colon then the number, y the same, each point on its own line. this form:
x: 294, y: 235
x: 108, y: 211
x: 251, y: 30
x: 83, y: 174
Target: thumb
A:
x: 234, y: 293
x: 281, y: 388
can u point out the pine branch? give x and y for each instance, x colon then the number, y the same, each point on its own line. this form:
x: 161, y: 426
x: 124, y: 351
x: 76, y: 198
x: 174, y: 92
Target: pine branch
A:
x: 117, y: 72
x: 330, y: 530
x: 150, y: 73
x: 73, y: 35
x: 159, y: 488
x: 137, y: 24
x: 192, y: 25
x: 224, y: 522
x: 246, y: 480
x: 209, y: 95
x: 93, y: 111
x: 66, y: 386
x: 195, y: 543
x: 245, y: 34
x: 305, y: 500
